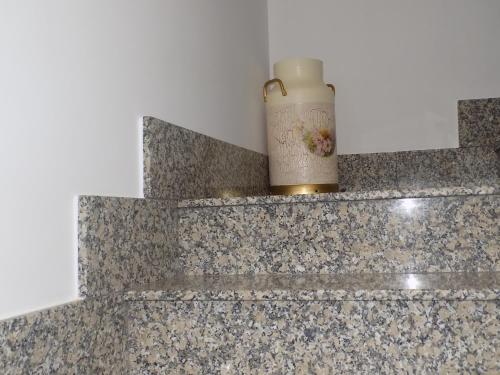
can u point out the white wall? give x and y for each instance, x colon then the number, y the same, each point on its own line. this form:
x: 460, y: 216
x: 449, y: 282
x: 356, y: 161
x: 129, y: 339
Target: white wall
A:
x: 399, y: 65
x: 75, y: 77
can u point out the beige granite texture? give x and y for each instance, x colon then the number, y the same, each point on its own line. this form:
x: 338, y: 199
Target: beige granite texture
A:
x: 180, y: 163
x: 84, y: 337
x: 314, y: 337
x: 123, y: 242
x: 437, y: 234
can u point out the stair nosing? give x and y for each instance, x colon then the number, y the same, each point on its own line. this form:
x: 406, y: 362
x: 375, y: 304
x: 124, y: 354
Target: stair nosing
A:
x: 323, y: 287
x: 493, y: 189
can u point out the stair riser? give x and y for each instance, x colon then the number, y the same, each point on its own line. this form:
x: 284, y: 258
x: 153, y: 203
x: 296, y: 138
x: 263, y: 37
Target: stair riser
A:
x: 394, y: 235
x: 312, y: 337
x: 472, y: 166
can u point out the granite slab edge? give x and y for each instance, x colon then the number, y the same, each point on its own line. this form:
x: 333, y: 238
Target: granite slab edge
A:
x: 335, y: 287
x: 493, y: 189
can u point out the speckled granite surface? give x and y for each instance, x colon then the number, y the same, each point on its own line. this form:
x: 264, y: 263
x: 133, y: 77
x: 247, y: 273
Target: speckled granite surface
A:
x: 84, y: 337
x: 366, y: 172
x: 314, y: 337
x: 479, y: 122
x: 439, y: 234
x: 123, y: 242
x: 451, y: 167
x: 471, y: 166
x: 354, y: 287
x: 180, y: 163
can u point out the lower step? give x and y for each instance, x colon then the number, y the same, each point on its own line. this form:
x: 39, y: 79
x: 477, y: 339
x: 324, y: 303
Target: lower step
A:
x: 297, y: 336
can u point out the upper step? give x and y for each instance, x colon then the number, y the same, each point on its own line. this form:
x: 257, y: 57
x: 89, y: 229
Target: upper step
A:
x: 432, y: 230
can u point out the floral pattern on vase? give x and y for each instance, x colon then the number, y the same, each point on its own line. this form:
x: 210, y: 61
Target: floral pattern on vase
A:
x: 320, y: 141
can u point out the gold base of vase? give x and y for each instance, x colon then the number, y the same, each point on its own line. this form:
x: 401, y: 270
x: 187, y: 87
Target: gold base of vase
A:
x: 304, y: 189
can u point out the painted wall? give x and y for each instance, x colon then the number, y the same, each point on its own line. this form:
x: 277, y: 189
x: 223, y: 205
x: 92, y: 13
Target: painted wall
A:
x: 75, y: 78
x: 399, y: 65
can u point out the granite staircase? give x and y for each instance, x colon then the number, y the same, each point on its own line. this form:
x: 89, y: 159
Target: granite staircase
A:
x: 399, y: 274
x: 210, y: 275
x: 374, y: 283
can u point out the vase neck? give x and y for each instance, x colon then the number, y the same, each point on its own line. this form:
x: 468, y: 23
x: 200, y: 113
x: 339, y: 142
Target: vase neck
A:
x: 299, y: 70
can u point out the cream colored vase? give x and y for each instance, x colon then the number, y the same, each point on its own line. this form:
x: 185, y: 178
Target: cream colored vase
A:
x: 301, y: 139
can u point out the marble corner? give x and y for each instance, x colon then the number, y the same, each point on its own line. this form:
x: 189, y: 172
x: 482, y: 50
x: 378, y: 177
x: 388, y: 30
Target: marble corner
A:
x: 65, y: 340
x: 479, y: 122
x: 123, y: 242
x: 313, y: 337
x: 472, y: 166
x: 440, y: 234
x: 182, y: 164
x: 358, y: 172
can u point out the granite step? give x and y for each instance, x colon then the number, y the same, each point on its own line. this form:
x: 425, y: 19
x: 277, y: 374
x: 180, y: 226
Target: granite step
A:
x: 418, y: 230
x: 315, y: 324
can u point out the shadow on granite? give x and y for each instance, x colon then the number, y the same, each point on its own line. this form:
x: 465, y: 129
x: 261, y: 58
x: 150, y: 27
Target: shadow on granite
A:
x: 83, y: 337
x: 479, y: 122
x: 122, y: 242
x: 181, y: 164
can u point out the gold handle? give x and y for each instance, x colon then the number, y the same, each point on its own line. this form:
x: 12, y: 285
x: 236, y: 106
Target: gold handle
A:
x: 270, y: 82
x: 332, y: 87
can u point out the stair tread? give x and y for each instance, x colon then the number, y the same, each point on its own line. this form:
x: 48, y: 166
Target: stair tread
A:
x: 381, y: 286
x: 343, y: 196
